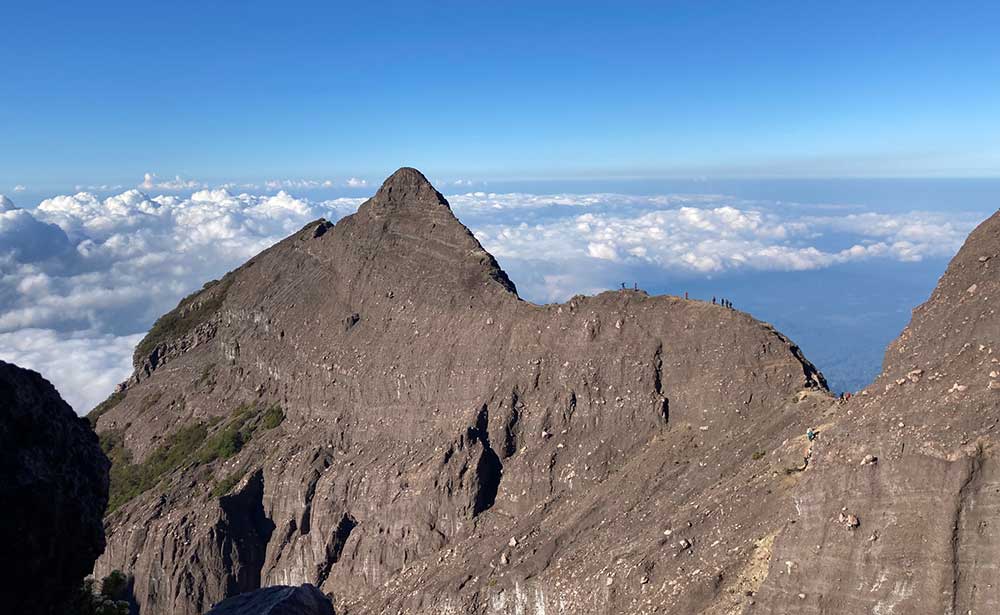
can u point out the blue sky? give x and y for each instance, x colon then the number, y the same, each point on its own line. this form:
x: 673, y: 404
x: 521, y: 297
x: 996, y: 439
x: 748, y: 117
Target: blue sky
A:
x: 221, y: 91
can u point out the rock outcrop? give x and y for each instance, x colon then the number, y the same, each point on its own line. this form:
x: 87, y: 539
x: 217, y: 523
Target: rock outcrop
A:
x: 53, y: 492
x: 369, y: 407
x: 277, y: 600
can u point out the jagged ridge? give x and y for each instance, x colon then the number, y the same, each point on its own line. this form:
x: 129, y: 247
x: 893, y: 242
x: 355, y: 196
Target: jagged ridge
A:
x: 432, y: 415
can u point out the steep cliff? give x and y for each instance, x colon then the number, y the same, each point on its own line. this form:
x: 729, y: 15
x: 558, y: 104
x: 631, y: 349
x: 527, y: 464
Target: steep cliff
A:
x: 370, y: 408
x: 53, y: 491
x: 899, y: 512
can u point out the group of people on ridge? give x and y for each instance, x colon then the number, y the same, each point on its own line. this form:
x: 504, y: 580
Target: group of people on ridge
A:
x: 723, y: 302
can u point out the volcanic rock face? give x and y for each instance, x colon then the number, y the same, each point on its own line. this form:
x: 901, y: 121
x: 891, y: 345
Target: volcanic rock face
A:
x: 277, y: 600
x: 911, y: 459
x: 445, y: 446
x: 53, y: 491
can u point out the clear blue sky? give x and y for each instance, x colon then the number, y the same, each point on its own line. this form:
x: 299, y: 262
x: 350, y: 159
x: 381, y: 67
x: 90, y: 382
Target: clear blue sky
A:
x: 103, y: 92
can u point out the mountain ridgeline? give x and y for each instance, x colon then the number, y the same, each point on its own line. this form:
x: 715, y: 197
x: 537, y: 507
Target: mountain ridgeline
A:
x: 370, y: 408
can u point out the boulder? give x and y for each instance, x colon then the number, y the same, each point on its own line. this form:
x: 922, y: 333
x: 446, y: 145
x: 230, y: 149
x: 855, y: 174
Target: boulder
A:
x: 277, y: 600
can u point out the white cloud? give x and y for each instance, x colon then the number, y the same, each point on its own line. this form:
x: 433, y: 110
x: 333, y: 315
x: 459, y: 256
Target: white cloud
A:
x: 25, y: 239
x: 19, y: 188
x: 235, y: 186
x: 149, y: 182
x: 603, y: 251
x: 81, y: 268
x: 598, y: 237
x: 84, y: 366
x: 98, y: 188
x: 702, y: 234
x: 298, y: 184
x: 354, y: 182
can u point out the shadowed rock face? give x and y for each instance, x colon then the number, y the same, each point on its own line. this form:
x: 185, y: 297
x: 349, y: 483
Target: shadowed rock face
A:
x: 277, y: 600
x: 53, y: 491
x: 449, y: 448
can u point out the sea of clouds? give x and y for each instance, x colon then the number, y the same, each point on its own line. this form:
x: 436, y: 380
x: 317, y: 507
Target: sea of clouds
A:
x: 82, y: 277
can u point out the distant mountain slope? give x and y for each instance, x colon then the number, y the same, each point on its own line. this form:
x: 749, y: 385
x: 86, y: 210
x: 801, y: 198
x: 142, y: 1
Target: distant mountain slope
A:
x: 369, y: 407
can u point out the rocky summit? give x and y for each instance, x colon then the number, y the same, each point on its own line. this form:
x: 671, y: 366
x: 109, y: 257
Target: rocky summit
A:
x: 369, y: 407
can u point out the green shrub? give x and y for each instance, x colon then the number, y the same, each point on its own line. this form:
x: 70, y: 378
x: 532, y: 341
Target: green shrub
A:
x: 111, y: 600
x: 188, y: 314
x: 115, y: 585
x: 246, y: 420
x: 758, y: 455
x: 222, y: 445
x: 273, y: 417
x: 226, y: 484
x: 129, y: 480
x: 102, y: 408
x: 112, y: 442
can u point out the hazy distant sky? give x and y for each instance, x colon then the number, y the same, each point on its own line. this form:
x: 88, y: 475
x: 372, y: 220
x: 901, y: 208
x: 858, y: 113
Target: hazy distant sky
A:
x: 248, y: 91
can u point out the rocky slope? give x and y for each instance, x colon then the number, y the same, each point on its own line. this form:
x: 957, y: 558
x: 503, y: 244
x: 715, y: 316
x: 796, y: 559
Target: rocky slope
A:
x: 370, y: 408
x: 899, y: 512
x: 53, y: 490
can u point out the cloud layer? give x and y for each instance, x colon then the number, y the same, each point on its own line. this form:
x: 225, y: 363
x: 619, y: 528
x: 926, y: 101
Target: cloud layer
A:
x: 82, y: 277
x: 691, y: 235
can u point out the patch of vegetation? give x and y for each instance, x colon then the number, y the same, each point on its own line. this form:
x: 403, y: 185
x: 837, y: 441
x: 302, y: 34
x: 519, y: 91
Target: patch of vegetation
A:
x: 112, y: 442
x: 189, y: 313
x: 247, y: 420
x: 222, y: 445
x: 129, y: 480
x: 191, y: 444
x: 112, y: 599
x: 758, y: 455
x: 226, y: 484
x: 273, y: 417
x: 102, y: 408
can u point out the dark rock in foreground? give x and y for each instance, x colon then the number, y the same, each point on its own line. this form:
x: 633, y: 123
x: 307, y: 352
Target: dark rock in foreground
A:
x: 53, y: 492
x: 277, y: 600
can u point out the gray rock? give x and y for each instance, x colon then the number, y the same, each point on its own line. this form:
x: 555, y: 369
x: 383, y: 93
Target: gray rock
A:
x: 276, y: 600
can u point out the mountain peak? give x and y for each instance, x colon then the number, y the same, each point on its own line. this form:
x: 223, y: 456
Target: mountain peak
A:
x: 409, y: 187
x: 411, y: 223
